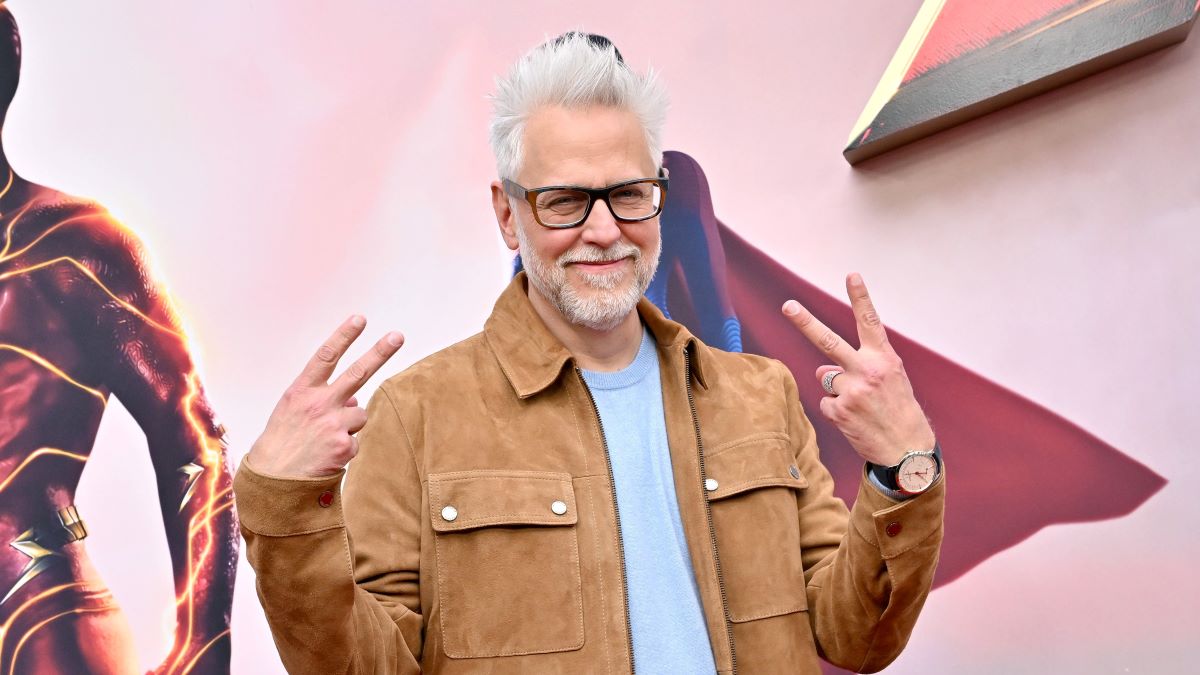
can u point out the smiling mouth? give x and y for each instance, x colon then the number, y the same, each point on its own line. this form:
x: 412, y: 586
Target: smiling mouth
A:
x: 599, y: 266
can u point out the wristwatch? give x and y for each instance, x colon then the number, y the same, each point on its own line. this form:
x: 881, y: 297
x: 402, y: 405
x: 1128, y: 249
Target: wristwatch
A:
x: 916, y: 471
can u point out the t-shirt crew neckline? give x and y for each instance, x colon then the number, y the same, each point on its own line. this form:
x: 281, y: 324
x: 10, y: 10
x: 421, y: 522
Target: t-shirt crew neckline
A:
x: 629, y: 375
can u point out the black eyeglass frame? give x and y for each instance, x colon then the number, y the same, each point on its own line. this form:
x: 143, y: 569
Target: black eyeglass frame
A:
x: 530, y: 195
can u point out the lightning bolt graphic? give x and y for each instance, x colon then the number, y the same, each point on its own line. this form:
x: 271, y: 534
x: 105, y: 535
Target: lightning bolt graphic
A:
x: 200, y: 531
x: 99, y: 284
x: 40, y: 452
x: 11, y: 176
x: 6, y: 256
x: 43, y: 362
x: 55, y: 590
x: 39, y: 556
x: 39, y: 559
x: 33, y: 629
x: 192, y: 472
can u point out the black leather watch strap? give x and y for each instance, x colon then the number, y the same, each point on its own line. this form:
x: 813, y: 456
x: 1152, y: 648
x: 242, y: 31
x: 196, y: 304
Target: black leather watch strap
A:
x: 885, y: 475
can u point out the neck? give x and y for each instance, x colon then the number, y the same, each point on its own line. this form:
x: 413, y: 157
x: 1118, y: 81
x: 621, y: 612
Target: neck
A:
x: 599, y: 350
x: 14, y: 191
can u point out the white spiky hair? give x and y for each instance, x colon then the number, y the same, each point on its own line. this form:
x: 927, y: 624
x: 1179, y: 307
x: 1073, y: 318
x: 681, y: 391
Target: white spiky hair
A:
x: 575, y: 70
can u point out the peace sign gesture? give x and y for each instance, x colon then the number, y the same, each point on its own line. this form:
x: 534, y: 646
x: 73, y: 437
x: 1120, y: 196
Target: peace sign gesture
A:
x: 310, y: 434
x: 868, y: 395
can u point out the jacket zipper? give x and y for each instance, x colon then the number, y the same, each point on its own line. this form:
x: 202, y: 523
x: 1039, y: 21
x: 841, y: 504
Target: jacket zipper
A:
x: 612, y: 484
x: 712, y: 531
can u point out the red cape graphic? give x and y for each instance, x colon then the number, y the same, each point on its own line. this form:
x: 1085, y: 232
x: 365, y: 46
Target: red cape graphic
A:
x: 1014, y: 467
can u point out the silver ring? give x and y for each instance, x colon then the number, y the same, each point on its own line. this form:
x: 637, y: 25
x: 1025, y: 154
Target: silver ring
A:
x: 827, y: 381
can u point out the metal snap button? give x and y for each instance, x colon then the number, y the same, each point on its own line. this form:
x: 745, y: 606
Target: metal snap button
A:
x: 794, y: 471
x: 710, y: 484
x: 449, y: 513
x: 326, y: 499
x: 558, y: 507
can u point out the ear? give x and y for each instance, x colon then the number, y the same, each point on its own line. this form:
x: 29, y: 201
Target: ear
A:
x: 506, y: 218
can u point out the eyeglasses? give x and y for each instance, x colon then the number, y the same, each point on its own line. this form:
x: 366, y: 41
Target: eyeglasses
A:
x: 563, y: 206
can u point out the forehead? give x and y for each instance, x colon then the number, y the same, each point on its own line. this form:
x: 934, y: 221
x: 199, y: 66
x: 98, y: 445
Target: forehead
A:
x: 592, y: 146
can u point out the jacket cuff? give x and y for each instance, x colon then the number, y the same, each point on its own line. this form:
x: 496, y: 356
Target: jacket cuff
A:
x: 280, y: 507
x: 894, y: 495
x: 895, y: 527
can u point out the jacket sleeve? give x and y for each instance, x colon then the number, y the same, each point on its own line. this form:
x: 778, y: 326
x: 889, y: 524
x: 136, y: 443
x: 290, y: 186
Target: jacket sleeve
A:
x: 868, y: 575
x: 335, y: 606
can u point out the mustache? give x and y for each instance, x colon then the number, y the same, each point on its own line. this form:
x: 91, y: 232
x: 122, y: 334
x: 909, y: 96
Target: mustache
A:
x: 595, y: 254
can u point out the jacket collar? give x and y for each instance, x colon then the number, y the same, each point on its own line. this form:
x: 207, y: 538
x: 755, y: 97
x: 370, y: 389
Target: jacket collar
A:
x: 532, y: 358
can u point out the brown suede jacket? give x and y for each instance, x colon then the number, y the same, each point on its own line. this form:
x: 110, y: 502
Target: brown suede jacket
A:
x: 447, y: 550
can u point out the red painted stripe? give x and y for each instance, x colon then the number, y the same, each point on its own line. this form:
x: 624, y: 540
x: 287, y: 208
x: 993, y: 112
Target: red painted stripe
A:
x: 966, y: 25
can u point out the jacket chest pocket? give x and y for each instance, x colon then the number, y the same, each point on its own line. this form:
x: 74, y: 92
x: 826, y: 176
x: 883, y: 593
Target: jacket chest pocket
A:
x: 507, y: 553
x: 752, y: 489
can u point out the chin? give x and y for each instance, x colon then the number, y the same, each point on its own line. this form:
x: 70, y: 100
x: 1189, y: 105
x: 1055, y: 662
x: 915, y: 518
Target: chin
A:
x: 600, y: 309
x: 601, y: 322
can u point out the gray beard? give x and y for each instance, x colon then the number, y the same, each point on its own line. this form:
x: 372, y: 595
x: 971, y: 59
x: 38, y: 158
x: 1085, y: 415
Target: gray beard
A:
x: 601, y: 311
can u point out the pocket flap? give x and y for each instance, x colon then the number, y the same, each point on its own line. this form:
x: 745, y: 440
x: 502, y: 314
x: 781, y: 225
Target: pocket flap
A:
x: 464, y: 500
x: 752, y: 463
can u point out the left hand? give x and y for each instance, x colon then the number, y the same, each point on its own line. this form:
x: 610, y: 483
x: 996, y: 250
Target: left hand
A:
x: 873, y: 406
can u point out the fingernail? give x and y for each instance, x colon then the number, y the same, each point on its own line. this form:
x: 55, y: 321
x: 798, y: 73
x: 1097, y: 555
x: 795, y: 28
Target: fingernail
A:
x: 394, y: 339
x: 856, y: 279
x: 358, y: 321
x: 791, y: 308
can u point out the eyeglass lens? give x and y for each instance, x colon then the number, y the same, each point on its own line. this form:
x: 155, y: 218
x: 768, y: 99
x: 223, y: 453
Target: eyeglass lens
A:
x: 636, y: 201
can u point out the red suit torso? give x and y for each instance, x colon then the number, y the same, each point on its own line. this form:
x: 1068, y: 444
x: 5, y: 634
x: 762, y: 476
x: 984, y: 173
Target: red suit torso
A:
x: 81, y: 319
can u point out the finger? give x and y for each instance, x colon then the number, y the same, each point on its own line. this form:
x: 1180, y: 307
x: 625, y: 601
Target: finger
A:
x: 361, y: 370
x: 819, y: 334
x: 870, y: 328
x: 830, y: 409
x: 822, y: 371
x: 354, y: 419
x: 320, y: 366
x: 351, y: 402
x: 825, y: 369
x: 346, y: 451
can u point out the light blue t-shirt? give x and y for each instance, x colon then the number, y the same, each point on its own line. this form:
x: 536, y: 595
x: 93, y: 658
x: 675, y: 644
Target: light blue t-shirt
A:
x: 669, y: 631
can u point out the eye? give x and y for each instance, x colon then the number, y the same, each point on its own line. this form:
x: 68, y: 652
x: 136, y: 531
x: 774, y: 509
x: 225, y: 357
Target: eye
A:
x: 563, y: 201
x: 630, y: 193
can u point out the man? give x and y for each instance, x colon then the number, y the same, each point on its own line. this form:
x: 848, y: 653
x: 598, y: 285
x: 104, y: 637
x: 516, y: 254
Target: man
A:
x: 584, y: 487
x: 82, y: 319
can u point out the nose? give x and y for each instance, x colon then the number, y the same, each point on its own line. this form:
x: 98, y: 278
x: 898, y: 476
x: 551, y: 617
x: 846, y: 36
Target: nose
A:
x: 600, y: 228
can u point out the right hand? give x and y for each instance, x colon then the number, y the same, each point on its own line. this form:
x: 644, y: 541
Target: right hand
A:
x: 311, y: 431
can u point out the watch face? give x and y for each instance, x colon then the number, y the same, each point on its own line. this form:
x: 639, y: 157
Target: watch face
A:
x: 917, y: 473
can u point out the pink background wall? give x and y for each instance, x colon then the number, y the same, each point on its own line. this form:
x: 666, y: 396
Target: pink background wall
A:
x: 289, y: 163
